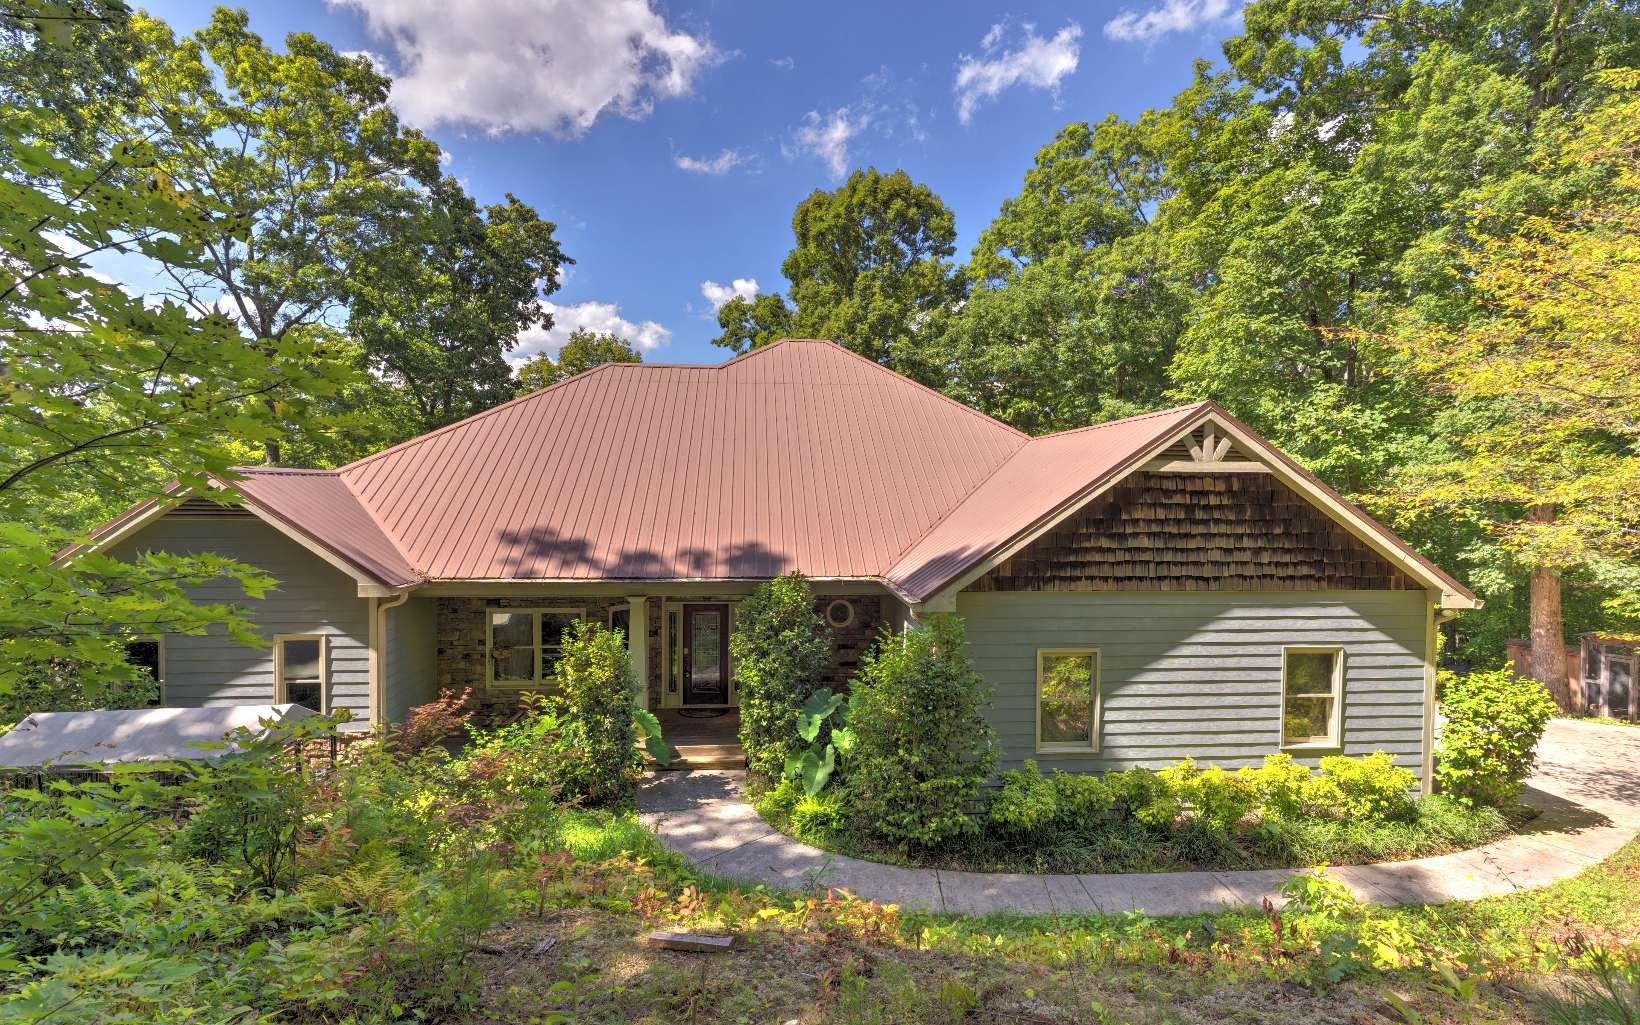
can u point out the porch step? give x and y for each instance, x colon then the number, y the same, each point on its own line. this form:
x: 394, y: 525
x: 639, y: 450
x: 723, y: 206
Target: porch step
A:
x: 706, y: 756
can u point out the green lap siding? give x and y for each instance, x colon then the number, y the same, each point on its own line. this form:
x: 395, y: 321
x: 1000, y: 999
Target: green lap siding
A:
x: 312, y: 597
x: 1185, y: 673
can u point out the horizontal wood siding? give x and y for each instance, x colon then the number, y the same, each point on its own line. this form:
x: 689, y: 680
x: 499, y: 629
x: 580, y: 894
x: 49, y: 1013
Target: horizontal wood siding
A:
x: 411, y: 650
x: 1200, y: 673
x: 312, y: 597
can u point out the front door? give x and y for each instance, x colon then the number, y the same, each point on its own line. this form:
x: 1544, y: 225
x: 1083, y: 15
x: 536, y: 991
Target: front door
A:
x: 1620, y: 688
x: 706, y: 654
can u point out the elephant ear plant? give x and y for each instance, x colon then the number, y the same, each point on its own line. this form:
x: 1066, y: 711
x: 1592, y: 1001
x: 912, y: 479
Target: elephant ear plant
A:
x: 815, y: 765
x: 648, y: 729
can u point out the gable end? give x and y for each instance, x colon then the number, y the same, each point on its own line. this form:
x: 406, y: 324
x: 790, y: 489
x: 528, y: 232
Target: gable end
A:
x: 1182, y: 531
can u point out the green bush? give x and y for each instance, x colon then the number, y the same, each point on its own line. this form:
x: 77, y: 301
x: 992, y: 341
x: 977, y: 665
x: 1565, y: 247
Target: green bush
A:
x: 922, y: 745
x: 1082, y: 800
x: 1494, y: 722
x: 1026, y: 802
x: 1280, y: 785
x: 1373, y: 788
x: 779, y: 649
x: 1144, y: 797
x: 597, y: 755
x: 818, y: 819
x: 1219, y: 798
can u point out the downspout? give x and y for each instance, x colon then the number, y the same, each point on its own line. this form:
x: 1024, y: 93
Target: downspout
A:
x: 378, y: 655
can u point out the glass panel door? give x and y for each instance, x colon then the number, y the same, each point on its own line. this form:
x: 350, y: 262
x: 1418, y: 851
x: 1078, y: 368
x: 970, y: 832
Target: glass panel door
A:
x: 705, y: 654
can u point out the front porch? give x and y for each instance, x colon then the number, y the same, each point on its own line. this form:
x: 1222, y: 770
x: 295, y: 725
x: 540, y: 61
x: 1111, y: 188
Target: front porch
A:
x: 701, y: 743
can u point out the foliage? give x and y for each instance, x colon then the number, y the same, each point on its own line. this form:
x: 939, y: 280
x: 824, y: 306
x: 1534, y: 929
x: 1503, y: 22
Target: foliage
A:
x: 923, y: 746
x: 1145, y: 796
x: 869, y: 264
x: 1026, y: 802
x: 108, y: 395
x: 823, y: 711
x: 444, y: 717
x: 1372, y: 788
x: 1081, y: 799
x: 1219, y: 798
x: 816, y: 819
x: 582, y: 351
x: 1281, y: 785
x: 1488, y: 744
x: 443, y: 291
x: 779, y: 648
x: 594, y: 703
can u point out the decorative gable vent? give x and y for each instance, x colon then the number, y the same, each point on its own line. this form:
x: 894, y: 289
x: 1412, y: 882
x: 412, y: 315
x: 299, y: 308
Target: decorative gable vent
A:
x: 1205, y: 451
x: 203, y: 508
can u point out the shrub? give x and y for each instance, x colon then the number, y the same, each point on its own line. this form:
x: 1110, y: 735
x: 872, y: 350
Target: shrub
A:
x: 431, y: 723
x: 779, y: 649
x: 1494, y: 722
x: 1026, y: 802
x: 782, y: 798
x: 818, y: 819
x: 922, y: 746
x: 598, y: 760
x: 1144, y: 797
x: 1373, y: 788
x: 1082, y: 800
x: 1219, y: 798
x: 1280, y: 785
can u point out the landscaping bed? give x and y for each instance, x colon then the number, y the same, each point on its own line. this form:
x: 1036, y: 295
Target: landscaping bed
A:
x: 1432, y: 826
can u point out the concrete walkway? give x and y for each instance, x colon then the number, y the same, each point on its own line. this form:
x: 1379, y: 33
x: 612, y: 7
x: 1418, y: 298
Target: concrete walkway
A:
x: 1587, y: 784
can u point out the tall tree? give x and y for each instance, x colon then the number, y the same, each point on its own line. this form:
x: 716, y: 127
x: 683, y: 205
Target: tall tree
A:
x: 581, y: 352
x: 300, y: 147
x: 1073, y: 316
x: 103, y: 392
x: 871, y: 265
x: 443, y: 294
x: 1548, y: 377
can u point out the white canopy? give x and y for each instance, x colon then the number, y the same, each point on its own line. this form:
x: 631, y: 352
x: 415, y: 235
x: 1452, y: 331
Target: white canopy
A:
x: 61, y: 739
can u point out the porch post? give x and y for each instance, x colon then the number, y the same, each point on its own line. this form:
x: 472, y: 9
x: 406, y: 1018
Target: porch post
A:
x: 637, y: 644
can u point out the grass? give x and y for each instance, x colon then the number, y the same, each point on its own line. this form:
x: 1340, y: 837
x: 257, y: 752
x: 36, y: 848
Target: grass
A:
x: 1497, y: 960
x: 1438, y: 826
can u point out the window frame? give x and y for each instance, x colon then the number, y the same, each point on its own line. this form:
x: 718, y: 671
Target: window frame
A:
x: 281, y: 695
x: 542, y: 679
x: 1335, y: 722
x: 159, y: 659
x: 1096, y: 728
x: 846, y: 623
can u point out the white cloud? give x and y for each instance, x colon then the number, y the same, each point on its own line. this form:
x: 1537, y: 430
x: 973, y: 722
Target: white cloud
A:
x: 600, y: 318
x: 827, y: 137
x: 723, y: 163
x: 784, y: 63
x: 739, y: 288
x: 1171, y: 16
x: 1037, y: 62
x: 531, y: 65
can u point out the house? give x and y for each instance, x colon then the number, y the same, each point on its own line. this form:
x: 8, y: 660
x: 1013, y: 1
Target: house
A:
x: 1600, y: 675
x: 1134, y: 592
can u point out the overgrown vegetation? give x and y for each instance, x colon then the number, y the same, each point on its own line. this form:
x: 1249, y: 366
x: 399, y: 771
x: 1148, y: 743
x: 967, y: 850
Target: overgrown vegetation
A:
x: 1494, y: 721
x: 779, y: 648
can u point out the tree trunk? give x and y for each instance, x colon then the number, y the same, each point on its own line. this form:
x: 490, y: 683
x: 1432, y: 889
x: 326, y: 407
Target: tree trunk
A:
x: 1548, y: 634
x: 272, y: 445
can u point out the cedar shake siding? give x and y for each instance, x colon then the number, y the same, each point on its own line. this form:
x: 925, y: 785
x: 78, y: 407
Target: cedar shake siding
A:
x: 1199, y: 673
x: 1197, y: 532
x: 312, y: 597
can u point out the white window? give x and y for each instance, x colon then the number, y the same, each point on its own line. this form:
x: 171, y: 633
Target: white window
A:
x: 1312, y: 684
x: 299, y: 670
x: 1067, y: 700
x: 524, y: 645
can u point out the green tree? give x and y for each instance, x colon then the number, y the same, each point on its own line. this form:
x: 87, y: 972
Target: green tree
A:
x: 922, y: 746
x: 581, y: 352
x: 779, y: 650
x: 106, y: 393
x: 441, y: 297
x: 300, y: 147
x: 1073, y: 317
x: 870, y: 267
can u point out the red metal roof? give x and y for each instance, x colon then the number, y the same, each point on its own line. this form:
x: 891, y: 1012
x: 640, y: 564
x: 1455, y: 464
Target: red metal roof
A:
x: 797, y: 456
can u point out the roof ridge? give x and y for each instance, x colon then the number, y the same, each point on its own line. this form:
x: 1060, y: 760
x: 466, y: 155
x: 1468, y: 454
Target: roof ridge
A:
x: 1197, y: 406
x: 293, y: 470
x: 917, y: 384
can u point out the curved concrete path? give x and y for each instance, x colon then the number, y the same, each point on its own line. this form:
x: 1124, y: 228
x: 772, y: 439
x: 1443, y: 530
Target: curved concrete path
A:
x: 1587, y: 785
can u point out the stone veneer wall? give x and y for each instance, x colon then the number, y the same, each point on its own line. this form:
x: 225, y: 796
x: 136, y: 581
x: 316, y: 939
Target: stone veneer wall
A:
x: 461, y: 638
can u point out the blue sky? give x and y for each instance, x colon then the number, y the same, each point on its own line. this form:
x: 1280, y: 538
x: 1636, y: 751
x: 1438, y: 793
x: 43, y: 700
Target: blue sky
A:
x: 671, y: 141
